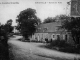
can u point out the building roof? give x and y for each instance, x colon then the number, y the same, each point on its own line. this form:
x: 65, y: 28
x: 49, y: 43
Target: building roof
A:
x: 48, y: 27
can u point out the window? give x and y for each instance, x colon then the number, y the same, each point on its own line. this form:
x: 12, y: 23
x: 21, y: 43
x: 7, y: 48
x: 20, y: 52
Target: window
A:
x: 57, y: 28
x: 66, y: 37
x: 38, y: 29
x: 53, y: 36
x: 45, y: 29
x: 58, y: 36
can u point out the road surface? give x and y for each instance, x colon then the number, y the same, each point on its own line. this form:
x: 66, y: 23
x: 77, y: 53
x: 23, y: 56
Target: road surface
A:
x: 32, y: 51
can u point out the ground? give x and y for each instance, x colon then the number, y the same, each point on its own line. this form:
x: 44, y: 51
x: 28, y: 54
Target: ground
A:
x: 32, y: 51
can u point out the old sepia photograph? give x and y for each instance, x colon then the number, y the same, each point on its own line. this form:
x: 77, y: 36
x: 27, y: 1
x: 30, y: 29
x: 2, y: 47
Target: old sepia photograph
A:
x: 39, y: 29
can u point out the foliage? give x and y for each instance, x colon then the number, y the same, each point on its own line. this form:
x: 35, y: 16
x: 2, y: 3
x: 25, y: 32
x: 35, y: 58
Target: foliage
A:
x: 63, y: 46
x: 27, y: 22
x: 56, y: 18
x: 73, y: 26
x: 5, y: 30
x: 49, y: 19
x: 63, y: 17
x: 59, y: 43
x: 7, y: 27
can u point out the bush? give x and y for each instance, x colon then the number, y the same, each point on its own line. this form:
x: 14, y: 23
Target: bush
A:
x: 59, y: 43
x: 70, y: 50
x: 64, y: 46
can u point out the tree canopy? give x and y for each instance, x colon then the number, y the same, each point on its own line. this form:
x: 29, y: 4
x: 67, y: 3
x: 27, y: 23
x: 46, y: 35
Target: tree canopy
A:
x: 27, y: 22
x: 8, y: 26
x: 49, y: 19
x: 56, y: 18
x: 5, y: 31
x: 73, y: 26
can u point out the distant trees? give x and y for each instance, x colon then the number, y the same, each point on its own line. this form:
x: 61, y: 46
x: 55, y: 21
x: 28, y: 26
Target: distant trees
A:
x: 49, y: 19
x: 63, y: 17
x: 27, y: 22
x: 56, y: 18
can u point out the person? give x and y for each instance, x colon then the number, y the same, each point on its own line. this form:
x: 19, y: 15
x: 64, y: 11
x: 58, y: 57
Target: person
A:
x: 46, y: 39
x: 51, y: 40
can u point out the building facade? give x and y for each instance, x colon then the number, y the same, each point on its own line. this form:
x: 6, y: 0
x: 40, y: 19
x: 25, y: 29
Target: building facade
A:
x: 50, y: 31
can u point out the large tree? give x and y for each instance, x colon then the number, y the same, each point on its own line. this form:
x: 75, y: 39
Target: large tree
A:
x: 73, y: 25
x: 27, y: 22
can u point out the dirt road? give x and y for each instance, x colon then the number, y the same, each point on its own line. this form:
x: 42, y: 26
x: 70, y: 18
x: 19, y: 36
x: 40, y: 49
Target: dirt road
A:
x: 33, y: 51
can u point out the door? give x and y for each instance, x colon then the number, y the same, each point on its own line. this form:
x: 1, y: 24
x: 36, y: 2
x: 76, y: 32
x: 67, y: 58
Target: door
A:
x: 66, y: 37
x: 58, y: 37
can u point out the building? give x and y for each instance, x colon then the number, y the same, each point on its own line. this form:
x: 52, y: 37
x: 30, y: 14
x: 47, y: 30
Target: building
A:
x: 50, y: 31
x: 75, y: 8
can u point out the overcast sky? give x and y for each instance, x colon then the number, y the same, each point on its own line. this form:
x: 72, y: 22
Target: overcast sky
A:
x: 9, y: 9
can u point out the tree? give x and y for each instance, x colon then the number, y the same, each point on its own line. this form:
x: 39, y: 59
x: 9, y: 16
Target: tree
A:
x: 6, y: 29
x: 56, y: 18
x: 8, y: 26
x: 49, y: 19
x: 27, y: 22
x: 63, y: 17
x: 73, y: 26
x: 9, y: 22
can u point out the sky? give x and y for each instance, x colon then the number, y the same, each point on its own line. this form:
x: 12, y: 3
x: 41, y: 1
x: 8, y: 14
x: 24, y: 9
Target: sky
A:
x: 9, y: 9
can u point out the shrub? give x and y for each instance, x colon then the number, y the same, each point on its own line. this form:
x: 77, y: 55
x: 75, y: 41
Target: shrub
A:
x: 59, y: 43
x: 64, y: 46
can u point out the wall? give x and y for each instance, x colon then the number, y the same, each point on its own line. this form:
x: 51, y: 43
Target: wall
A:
x: 49, y: 36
